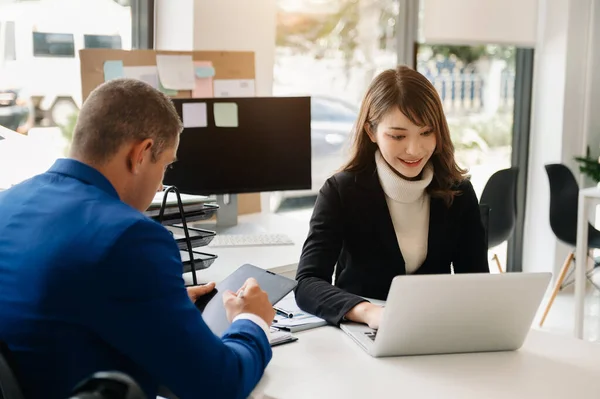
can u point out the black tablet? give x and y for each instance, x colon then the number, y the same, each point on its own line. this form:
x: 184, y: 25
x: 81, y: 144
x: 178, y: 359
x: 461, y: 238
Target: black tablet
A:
x: 211, y: 305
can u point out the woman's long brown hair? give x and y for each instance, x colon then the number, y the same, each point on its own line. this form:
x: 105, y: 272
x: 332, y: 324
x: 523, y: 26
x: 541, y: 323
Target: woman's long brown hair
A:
x: 416, y: 98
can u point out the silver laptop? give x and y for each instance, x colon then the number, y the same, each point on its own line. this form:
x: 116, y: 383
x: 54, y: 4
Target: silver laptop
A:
x: 439, y: 314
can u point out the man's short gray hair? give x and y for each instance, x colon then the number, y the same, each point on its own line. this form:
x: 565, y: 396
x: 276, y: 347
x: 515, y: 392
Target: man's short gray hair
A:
x: 121, y: 111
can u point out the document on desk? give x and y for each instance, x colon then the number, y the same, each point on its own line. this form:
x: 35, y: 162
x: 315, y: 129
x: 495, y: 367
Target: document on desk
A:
x: 299, y: 321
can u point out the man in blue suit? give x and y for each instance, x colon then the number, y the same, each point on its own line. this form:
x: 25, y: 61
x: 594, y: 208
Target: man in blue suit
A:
x: 88, y: 283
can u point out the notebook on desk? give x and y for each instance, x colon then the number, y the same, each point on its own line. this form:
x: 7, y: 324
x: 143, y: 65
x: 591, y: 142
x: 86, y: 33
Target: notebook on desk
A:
x: 190, y: 203
x: 289, y: 317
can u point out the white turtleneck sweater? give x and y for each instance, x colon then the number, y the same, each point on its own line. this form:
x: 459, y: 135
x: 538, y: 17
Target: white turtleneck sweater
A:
x: 408, y: 204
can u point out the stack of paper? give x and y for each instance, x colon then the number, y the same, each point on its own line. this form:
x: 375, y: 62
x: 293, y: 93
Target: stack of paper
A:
x: 299, y: 319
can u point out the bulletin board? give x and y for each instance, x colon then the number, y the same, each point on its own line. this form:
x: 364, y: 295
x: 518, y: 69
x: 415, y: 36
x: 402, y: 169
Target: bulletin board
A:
x: 218, y: 74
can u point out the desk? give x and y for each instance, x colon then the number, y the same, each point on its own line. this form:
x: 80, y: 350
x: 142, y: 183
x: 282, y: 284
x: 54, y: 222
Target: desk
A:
x: 280, y: 259
x: 586, y: 198
x: 326, y: 363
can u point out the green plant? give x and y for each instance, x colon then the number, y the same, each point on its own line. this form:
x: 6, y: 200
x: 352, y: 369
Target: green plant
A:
x: 589, y: 166
x: 68, y: 128
x: 67, y: 131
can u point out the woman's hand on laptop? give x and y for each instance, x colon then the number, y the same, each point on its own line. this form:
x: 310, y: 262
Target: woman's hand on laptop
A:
x: 367, y: 313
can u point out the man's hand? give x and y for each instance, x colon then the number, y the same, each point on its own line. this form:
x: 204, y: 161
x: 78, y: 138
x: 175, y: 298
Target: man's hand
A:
x: 249, y: 299
x: 196, y: 292
x: 367, y: 313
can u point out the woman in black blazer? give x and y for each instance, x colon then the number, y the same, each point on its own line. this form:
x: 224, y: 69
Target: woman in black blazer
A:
x: 400, y: 206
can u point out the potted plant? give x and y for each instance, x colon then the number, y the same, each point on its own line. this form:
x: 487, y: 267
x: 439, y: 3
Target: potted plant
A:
x: 589, y: 166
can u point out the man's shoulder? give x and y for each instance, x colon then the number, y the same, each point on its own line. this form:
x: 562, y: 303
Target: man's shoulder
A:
x: 87, y: 215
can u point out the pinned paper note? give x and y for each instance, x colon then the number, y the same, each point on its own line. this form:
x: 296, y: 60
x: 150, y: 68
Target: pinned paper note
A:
x: 176, y: 72
x: 194, y: 115
x: 204, y: 71
x: 226, y: 114
x: 168, y: 92
x: 148, y: 74
x: 234, y: 88
x: 203, y: 87
x: 113, y: 70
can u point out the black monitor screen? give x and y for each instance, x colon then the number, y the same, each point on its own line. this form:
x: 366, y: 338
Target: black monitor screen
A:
x: 242, y: 145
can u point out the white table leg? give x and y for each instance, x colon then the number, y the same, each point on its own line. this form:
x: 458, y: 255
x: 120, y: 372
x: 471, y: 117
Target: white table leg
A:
x: 581, y: 263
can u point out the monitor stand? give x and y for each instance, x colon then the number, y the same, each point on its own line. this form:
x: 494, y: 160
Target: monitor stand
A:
x: 227, y: 218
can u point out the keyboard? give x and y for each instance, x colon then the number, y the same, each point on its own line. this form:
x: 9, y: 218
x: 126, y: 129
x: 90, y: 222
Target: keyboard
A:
x: 250, y: 240
x: 371, y: 334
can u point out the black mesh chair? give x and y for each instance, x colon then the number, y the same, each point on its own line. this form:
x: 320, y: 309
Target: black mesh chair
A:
x: 108, y: 385
x: 500, y: 195
x: 564, y: 194
x: 9, y: 386
x: 101, y: 385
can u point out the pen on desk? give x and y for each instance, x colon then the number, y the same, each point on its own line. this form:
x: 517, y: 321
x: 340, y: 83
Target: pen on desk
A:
x: 282, y: 312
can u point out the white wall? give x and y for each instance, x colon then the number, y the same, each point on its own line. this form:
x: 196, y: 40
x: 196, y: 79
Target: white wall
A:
x: 481, y: 21
x: 235, y: 25
x: 174, y: 25
x: 558, y: 119
x: 229, y: 25
x: 593, y: 138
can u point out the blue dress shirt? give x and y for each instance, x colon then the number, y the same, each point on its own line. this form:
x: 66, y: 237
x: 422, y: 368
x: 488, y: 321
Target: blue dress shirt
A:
x: 88, y: 283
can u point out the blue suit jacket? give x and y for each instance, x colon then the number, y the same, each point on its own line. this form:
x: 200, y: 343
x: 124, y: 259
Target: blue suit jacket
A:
x: 88, y: 283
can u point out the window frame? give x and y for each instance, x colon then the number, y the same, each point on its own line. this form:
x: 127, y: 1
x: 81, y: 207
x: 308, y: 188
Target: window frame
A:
x: 38, y: 54
x: 10, y: 47
x: 142, y: 24
x: 97, y: 38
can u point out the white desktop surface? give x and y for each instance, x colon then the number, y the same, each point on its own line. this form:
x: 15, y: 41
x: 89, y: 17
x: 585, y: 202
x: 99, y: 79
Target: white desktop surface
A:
x: 326, y: 363
x: 280, y: 259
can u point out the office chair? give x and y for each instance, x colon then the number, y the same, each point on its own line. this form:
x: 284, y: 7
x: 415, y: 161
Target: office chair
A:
x: 9, y: 386
x: 564, y: 193
x: 484, y: 212
x: 108, y: 385
x: 102, y: 385
x: 500, y: 195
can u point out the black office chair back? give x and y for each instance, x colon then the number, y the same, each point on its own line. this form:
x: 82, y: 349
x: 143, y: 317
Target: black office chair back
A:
x: 500, y: 195
x: 564, y: 193
x: 9, y: 386
x: 484, y: 212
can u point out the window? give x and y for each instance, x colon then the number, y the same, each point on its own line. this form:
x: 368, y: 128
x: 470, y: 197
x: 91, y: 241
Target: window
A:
x: 332, y: 110
x: 52, y: 95
x: 102, y: 41
x: 330, y: 50
x: 10, y: 53
x: 53, y: 44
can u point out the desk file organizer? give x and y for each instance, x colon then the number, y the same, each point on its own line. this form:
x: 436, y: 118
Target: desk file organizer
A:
x: 176, y: 218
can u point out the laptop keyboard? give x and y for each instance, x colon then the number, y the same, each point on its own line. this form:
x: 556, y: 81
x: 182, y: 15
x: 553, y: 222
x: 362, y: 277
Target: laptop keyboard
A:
x: 371, y: 334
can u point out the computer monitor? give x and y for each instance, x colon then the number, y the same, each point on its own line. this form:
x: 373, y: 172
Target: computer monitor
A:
x: 242, y: 145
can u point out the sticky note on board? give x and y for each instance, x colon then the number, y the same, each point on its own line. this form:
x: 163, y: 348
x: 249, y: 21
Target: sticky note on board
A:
x: 204, y: 71
x: 168, y: 92
x: 194, y: 115
x: 176, y: 72
x: 148, y: 74
x: 226, y: 114
x: 234, y: 88
x: 203, y: 84
x: 113, y: 69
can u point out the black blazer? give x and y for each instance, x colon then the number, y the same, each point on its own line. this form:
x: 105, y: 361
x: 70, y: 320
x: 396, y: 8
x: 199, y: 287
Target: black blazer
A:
x: 351, y: 226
